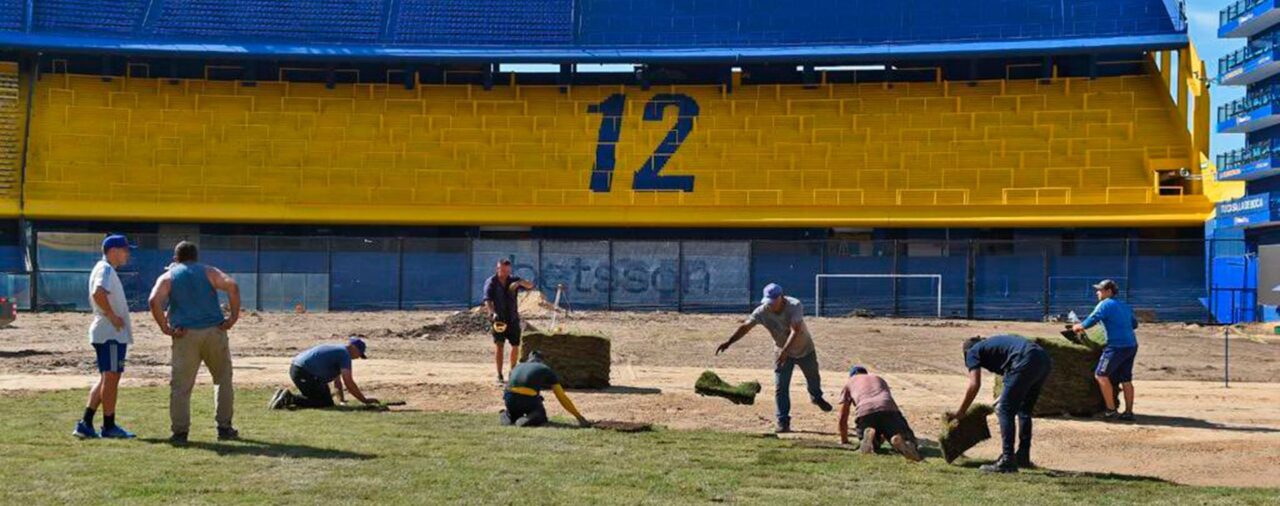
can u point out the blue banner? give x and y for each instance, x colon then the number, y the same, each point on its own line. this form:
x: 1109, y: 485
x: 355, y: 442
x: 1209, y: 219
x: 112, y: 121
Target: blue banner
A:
x: 1248, y: 210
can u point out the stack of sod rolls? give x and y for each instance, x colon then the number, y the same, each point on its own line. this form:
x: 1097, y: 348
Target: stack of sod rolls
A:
x: 711, y: 384
x: 581, y: 361
x: 964, y: 432
x: 1071, y: 388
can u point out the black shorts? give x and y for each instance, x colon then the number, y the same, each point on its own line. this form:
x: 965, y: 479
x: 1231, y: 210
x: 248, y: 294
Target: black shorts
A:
x: 886, y: 423
x: 511, y: 335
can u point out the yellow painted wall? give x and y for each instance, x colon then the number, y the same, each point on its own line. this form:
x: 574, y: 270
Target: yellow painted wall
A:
x: 994, y: 153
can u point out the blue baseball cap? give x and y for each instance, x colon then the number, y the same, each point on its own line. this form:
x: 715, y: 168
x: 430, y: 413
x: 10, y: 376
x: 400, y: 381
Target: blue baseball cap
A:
x: 856, y: 370
x: 115, y: 241
x: 771, y: 293
x: 359, y: 344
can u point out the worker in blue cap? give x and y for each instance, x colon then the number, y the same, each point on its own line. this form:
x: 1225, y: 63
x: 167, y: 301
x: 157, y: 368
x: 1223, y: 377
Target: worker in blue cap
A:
x: 783, y: 316
x: 312, y: 370
x: 111, y: 333
x: 876, y: 417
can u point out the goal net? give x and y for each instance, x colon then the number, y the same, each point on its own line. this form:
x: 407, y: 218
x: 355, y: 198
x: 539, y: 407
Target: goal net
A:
x: 884, y: 287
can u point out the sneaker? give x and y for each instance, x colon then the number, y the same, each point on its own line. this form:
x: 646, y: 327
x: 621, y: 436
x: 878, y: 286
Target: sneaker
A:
x: 868, y: 444
x: 116, y: 432
x: 84, y: 431
x: 178, y: 438
x: 274, y: 402
x: 783, y: 428
x: 822, y: 404
x: 1110, y: 415
x: 906, y: 447
x: 501, y: 381
x: 228, y: 434
x: 1127, y: 416
x: 1004, y: 465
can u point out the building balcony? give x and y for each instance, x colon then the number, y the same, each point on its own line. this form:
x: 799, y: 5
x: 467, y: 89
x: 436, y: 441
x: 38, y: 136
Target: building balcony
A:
x: 1250, y: 64
x: 1246, y: 18
x: 1254, y: 161
x: 1257, y: 110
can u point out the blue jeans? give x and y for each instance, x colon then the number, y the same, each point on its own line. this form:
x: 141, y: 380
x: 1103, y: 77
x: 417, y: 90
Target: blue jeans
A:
x: 1022, y: 387
x: 782, y: 383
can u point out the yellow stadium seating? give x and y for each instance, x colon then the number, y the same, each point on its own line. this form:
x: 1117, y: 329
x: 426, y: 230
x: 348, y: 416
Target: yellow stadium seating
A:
x: 12, y: 124
x: 995, y: 153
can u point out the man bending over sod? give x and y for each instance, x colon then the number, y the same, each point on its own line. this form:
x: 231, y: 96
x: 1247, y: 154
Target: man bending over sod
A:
x: 523, y: 397
x: 312, y: 370
x: 1025, y: 366
x: 877, y: 418
x: 784, y: 317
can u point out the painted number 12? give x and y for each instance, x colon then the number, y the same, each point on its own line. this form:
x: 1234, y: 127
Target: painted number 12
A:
x: 649, y: 176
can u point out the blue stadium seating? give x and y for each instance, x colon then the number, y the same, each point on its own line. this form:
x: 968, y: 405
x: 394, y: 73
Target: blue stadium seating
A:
x: 485, y: 22
x: 598, y: 30
x: 11, y: 14
x: 303, y: 20
x: 751, y: 22
x: 120, y: 16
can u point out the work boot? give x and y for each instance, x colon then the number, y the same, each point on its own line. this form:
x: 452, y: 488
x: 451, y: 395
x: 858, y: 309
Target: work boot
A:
x: 1024, y: 459
x: 868, y: 444
x: 178, y: 438
x: 1004, y: 465
x: 906, y: 447
x: 228, y: 434
x: 822, y: 404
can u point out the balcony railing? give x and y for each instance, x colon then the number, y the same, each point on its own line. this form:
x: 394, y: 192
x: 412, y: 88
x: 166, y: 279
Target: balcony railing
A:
x: 1251, y: 102
x: 1241, y: 56
x: 1247, y: 155
x: 1235, y: 10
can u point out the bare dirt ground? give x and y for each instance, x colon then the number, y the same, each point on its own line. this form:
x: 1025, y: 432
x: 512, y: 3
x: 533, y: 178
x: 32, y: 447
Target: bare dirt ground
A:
x: 1190, y: 429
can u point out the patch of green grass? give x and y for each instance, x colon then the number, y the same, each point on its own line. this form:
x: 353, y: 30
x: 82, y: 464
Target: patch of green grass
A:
x: 343, y: 457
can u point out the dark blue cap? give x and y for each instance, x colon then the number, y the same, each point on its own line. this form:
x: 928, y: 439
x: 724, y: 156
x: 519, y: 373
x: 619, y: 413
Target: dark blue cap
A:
x: 856, y: 370
x: 359, y: 344
x: 771, y: 293
x: 115, y: 241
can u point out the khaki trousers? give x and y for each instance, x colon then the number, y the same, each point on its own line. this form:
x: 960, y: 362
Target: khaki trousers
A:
x: 208, y: 345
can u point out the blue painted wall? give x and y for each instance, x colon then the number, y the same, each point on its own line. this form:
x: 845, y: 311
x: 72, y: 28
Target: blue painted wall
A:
x: 1009, y: 278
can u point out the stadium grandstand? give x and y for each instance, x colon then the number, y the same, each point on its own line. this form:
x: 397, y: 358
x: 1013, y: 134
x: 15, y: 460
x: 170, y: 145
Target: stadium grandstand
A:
x: 974, y: 158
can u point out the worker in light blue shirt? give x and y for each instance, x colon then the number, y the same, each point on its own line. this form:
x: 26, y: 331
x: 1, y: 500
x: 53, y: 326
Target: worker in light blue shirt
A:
x: 1115, y: 366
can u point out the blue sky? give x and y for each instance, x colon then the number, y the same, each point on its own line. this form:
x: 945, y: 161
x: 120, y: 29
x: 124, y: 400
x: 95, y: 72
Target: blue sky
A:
x: 1202, y: 16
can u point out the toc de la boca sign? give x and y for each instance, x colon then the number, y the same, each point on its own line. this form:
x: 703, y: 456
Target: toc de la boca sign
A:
x: 1250, y: 210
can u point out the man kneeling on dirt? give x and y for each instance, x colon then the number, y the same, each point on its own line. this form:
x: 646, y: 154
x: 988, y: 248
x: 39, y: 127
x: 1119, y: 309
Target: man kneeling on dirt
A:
x: 878, y: 418
x: 522, y: 396
x: 312, y: 370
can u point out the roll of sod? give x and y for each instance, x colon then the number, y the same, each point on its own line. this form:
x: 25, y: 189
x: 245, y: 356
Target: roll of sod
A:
x: 964, y: 432
x: 581, y: 361
x: 1071, y: 388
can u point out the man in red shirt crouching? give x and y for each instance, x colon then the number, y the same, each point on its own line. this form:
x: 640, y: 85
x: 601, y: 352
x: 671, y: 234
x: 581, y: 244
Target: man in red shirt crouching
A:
x: 877, y: 418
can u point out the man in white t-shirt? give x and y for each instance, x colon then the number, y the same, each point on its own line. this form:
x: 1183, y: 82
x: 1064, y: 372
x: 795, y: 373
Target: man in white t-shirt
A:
x: 110, y: 334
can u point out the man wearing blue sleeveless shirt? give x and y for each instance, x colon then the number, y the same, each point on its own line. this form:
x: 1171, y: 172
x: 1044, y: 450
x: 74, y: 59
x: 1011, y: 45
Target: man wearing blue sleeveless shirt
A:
x: 184, y: 303
x: 1115, y: 366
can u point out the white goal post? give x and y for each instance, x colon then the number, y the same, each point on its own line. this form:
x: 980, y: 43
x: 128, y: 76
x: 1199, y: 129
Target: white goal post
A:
x: 817, y: 286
